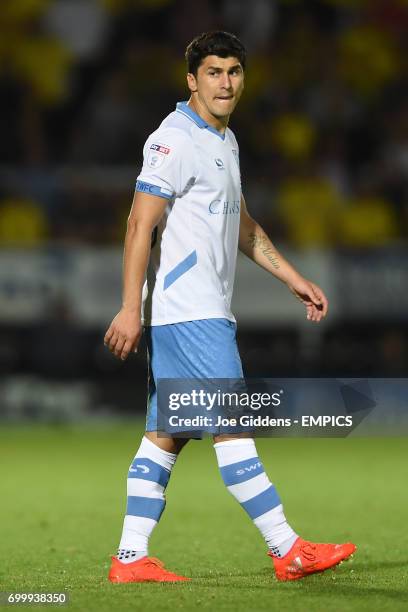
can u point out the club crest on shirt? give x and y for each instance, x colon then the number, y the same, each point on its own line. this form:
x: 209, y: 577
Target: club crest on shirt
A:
x: 157, y: 155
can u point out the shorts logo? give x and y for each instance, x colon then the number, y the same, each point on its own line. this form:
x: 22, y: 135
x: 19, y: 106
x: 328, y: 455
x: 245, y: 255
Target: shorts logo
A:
x: 156, y: 155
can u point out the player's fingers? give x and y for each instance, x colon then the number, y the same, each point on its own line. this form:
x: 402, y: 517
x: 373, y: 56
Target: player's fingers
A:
x: 309, y: 311
x: 323, y: 302
x: 314, y: 296
x: 135, y: 343
x: 127, y: 347
x: 119, y: 346
x: 112, y: 342
x: 314, y: 314
x: 318, y: 314
x: 108, y: 336
x: 325, y: 305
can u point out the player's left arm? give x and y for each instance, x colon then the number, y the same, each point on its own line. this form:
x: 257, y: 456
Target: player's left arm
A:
x: 256, y: 245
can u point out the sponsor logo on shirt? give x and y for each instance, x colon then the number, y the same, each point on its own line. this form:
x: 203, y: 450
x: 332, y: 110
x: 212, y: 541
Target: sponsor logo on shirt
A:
x: 219, y: 163
x: 160, y: 149
x: 156, y: 155
x: 153, y: 189
x: 224, y: 207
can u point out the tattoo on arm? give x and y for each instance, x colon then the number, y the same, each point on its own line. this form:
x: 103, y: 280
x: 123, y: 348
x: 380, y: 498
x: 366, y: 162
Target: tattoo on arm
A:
x: 261, y: 242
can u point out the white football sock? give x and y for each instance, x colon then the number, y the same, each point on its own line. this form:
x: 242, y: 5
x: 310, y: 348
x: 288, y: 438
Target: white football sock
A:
x: 148, y: 476
x: 245, y: 478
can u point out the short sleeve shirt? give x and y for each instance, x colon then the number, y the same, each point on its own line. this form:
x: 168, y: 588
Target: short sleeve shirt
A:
x: 194, y: 247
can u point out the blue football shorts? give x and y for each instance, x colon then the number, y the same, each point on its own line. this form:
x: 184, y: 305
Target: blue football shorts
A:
x: 193, y: 349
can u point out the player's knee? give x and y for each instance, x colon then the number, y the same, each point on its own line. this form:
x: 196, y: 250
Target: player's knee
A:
x: 170, y: 445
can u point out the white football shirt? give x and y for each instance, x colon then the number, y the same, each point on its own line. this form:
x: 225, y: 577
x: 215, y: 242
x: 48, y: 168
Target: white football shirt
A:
x: 194, y: 247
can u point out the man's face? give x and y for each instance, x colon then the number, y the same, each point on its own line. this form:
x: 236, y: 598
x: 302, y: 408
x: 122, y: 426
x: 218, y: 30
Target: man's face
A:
x: 218, y: 84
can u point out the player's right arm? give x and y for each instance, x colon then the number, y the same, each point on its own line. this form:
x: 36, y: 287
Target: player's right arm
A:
x: 124, y: 333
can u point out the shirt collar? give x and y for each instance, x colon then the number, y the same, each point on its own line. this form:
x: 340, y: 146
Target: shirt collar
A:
x: 185, y: 109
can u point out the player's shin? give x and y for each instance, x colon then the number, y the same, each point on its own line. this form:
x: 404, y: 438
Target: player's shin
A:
x: 245, y: 478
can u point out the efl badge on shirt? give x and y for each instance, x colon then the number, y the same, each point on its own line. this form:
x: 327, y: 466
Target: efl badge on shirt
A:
x: 157, y: 155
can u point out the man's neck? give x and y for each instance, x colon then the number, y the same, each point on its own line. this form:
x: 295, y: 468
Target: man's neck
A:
x: 220, y: 124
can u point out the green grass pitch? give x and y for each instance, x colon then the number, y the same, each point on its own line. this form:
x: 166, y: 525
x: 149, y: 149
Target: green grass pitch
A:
x: 63, y: 498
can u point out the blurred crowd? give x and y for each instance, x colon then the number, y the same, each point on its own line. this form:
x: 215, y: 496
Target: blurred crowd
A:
x: 322, y: 125
x: 323, y: 133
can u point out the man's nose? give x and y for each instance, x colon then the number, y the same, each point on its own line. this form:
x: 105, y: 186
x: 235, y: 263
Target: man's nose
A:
x: 226, y: 80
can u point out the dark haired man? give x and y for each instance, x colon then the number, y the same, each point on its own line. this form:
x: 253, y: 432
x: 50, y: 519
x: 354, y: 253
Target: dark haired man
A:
x: 189, y: 195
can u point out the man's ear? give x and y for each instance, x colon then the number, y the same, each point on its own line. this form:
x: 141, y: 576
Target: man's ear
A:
x: 191, y: 82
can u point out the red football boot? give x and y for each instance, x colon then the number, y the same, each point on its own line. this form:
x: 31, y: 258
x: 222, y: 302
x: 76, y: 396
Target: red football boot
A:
x: 146, y: 569
x: 306, y: 558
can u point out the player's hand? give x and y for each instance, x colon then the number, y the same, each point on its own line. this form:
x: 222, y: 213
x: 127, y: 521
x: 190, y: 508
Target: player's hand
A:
x: 312, y: 297
x: 124, y: 333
